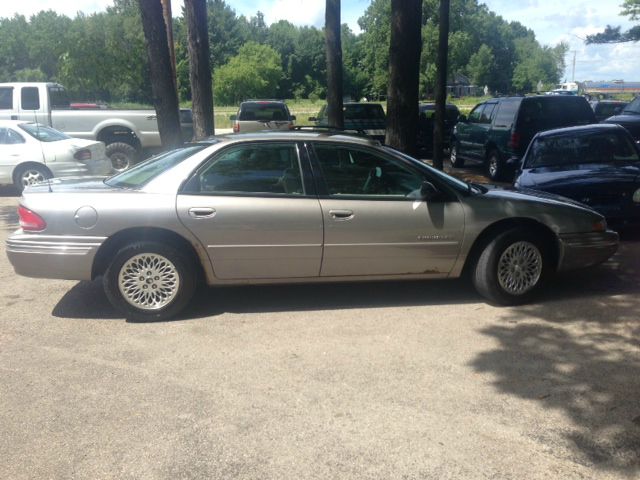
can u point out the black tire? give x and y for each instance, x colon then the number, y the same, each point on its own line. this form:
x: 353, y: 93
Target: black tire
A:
x: 508, y: 270
x: 454, y: 154
x: 122, y: 155
x: 148, y: 273
x: 495, y: 166
x: 30, y: 174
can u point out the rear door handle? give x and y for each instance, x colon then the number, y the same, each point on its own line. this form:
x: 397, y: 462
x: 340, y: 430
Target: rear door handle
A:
x: 202, y: 212
x: 341, y: 214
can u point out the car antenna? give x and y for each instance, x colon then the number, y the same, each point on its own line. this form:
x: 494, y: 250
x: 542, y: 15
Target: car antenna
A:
x: 35, y: 117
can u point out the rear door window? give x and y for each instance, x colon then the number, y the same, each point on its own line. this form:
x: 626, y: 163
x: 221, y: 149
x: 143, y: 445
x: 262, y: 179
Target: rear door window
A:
x: 30, y: 100
x: 6, y: 98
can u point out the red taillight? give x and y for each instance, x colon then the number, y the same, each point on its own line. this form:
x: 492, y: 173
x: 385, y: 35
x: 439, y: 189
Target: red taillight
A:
x: 236, y: 127
x: 514, y: 141
x: 83, y: 154
x: 30, y: 221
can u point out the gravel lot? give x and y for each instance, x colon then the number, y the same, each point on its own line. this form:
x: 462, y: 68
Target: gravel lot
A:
x: 417, y: 380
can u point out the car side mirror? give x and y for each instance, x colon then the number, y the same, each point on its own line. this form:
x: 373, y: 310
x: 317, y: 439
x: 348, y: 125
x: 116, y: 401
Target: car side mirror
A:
x: 233, y: 118
x: 617, y: 110
x: 428, y: 191
x: 292, y: 117
x: 313, y: 119
x: 462, y: 118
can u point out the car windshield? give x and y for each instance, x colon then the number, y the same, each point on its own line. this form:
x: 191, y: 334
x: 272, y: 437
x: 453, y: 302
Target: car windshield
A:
x: 601, y: 147
x: 633, y: 107
x: 454, y: 182
x: 43, y: 133
x: 144, y: 172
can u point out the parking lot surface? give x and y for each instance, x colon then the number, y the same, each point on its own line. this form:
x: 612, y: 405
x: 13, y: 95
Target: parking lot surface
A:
x: 402, y: 380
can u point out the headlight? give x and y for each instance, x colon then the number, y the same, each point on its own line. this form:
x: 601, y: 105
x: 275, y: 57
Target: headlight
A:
x: 636, y: 196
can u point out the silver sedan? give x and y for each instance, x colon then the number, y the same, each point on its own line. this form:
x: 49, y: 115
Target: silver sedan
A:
x: 294, y: 207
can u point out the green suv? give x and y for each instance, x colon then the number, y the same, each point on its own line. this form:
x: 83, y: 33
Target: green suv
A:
x: 498, y: 131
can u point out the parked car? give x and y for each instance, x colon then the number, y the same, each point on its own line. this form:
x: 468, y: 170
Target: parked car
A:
x: 31, y: 153
x: 366, y: 117
x: 426, y: 113
x: 629, y: 119
x: 606, y: 108
x: 124, y: 132
x: 598, y: 165
x: 294, y: 207
x: 498, y: 131
x: 257, y: 115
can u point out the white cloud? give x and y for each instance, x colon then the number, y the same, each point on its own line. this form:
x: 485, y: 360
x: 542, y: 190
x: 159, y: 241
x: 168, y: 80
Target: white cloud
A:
x: 298, y: 12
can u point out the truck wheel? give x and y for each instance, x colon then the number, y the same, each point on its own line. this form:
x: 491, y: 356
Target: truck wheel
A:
x: 150, y: 281
x: 495, y: 166
x: 454, y: 154
x: 29, y: 175
x: 122, y: 155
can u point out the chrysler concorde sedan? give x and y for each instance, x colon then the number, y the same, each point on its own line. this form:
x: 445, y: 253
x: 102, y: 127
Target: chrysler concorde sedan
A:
x: 291, y: 207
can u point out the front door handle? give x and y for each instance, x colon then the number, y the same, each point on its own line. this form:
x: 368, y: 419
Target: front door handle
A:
x: 341, y: 214
x: 202, y: 212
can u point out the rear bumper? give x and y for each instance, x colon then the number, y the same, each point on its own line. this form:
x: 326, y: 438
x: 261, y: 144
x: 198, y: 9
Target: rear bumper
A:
x: 586, y: 249
x: 49, y: 256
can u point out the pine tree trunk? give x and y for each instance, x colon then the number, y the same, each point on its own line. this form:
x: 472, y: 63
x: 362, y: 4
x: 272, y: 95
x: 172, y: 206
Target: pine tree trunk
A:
x: 163, y: 88
x: 199, y: 70
x: 404, y: 68
x: 441, y: 85
x: 334, y: 64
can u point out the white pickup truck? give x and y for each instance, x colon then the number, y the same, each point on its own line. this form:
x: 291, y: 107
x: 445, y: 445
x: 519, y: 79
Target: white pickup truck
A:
x: 125, y: 132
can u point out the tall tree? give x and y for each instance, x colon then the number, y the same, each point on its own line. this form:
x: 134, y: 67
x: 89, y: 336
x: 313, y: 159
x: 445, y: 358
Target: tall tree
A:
x: 199, y: 70
x: 404, y: 65
x: 334, y: 64
x: 163, y: 87
x: 441, y: 84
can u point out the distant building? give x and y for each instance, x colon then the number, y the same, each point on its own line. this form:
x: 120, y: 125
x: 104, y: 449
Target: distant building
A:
x: 461, y: 87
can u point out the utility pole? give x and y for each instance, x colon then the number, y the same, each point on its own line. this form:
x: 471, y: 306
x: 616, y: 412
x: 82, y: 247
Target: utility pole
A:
x: 573, y: 69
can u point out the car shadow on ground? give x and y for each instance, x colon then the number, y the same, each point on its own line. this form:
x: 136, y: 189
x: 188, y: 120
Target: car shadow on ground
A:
x: 578, y: 352
x: 8, y: 191
x: 87, y: 299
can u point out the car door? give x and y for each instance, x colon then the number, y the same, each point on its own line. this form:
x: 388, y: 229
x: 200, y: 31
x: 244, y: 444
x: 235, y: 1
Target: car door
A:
x: 466, y: 132
x: 376, y: 222
x: 252, y: 209
x: 15, y: 150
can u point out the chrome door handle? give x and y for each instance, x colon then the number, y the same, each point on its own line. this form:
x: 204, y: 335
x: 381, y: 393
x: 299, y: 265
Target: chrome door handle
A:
x: 151, y: 117
x: 202, y: 212
x: 341, y: 214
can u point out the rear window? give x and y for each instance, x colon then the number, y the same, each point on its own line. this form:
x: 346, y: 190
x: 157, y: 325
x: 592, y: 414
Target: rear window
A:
x: 263, y: 112
x: 364, y: 111
x: 580, y: 148
x: 6, y: 98
x: 546, y: 113
x: 633, y: 107
x: 43, y: 133
x: 507, y: 112
x: 451, y: 112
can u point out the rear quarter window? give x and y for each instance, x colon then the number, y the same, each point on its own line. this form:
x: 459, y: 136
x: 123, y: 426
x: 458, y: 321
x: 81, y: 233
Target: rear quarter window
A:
x: 6, y: 98
x: 506, y: 113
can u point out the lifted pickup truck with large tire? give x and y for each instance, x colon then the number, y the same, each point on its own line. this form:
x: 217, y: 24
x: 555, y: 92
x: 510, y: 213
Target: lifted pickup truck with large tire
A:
x: 126, y: 133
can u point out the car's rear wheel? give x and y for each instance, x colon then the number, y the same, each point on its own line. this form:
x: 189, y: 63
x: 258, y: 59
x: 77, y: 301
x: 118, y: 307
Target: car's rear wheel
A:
x: 512, y: 267
x: 454, y: 154
x: 30, y: 175
x: 150, y: 281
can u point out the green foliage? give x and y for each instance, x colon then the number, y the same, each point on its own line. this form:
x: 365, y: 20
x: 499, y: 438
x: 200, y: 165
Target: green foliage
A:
x: 481, y: 65
x: 253, y: 73
x: 631, y: 9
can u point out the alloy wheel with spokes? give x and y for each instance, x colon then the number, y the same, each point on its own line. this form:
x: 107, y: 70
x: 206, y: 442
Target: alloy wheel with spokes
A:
x: 519, y: 268
x: 150, y: 281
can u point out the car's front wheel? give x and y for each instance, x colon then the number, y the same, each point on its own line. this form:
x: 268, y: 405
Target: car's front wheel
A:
x: 511, y: 267
x: 150, y: 281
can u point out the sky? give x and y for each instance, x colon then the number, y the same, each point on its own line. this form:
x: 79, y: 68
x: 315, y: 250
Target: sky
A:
x: 552, y: 21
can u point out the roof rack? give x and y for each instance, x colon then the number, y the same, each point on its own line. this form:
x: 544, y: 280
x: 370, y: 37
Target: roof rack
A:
x: 322, y: 128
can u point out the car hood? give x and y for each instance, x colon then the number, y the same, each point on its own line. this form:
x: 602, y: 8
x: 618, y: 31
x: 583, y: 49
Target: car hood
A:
x: 580, y: 175
x: 527, y: 195
x: 71, y: 184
